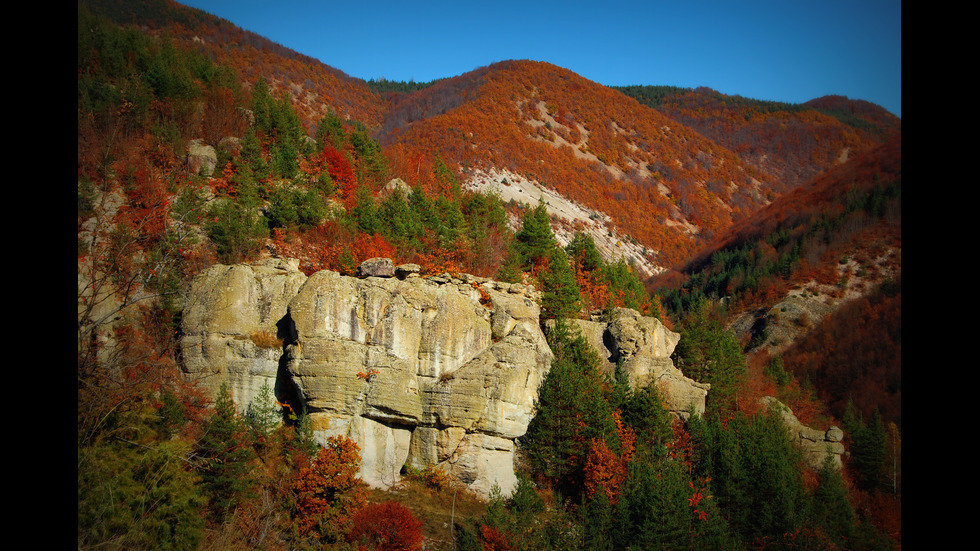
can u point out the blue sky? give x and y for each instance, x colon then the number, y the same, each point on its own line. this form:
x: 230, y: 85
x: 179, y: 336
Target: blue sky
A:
x: 786, y: 50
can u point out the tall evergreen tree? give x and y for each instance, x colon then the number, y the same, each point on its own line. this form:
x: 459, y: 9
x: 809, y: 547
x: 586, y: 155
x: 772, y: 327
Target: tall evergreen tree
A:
x: 709, y: 353
x: 584, y: 253
x: 225, y: 449
x: 774, y: 484
x: 365, y: 211
x: 535, y: 239
x: 832, y: 511
x: 571, y: 410
x: 644, y: 411
x: 262, y: 106
x: 560, y: 295
x: 599, y: 523
x: 330, y: 131
x: 868, y: 452
x: 653, y: 510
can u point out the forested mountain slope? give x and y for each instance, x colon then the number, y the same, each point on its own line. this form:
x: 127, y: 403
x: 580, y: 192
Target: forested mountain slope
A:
x: 790, y: 142
x: 314, y: 88
x: 662, y: 183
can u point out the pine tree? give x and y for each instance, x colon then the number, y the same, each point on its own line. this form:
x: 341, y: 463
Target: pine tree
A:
x: 365, y: 211
x: 599, y: 522
x: 832, y: 511
x: 535, y: 240
x: 262, y: 105
x: 570, y: 412
x: 773, y: 484
x: 138, y: 497
x: 330, y: 131
x: 868, y: 452
x: 645, y: 412
x: 560, y: 295
x: 709, y: 353
x: 584, y: 253
x: 263, y: 415
x: 403, y: 226
x: 225, y: 449
x: 653, y: 511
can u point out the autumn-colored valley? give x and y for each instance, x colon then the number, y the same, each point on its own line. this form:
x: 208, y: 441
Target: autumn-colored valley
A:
x: 766, y: 235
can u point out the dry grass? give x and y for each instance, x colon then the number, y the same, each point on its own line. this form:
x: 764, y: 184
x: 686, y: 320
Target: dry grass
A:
x: 266, y: 339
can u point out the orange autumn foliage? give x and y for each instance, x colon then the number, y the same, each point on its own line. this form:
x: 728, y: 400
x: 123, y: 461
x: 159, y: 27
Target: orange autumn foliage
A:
x: 494, y: 539
x: 342, y: 173
x: 328, y: 492
x: 604, y: 468
x: 330, y: 247
x: 503, y: 122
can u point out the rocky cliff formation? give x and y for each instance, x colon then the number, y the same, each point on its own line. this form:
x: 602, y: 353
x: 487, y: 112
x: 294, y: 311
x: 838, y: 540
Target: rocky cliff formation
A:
x: 232, y: 323
x: 436, y: 371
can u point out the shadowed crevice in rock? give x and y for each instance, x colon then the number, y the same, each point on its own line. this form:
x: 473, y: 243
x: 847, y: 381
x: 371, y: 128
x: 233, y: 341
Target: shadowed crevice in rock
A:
x: 609, y: 347
x: 285, y: 389
x: 286, y: 330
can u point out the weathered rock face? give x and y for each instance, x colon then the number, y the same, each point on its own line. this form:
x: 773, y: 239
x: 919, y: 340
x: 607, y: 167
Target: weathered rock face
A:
x: 427, y: 372
x: 419, y: 371
x: 231, y: 324
x: 422, y: 371
x: 642, y: 346
x: 816, y: 445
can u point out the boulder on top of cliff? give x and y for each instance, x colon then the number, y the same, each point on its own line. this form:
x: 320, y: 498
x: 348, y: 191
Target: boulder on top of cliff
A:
x: 376, y: 267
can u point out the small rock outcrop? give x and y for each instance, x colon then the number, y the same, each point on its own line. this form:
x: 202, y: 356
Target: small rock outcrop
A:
x: 396, y: 185
x: 816, y: 445
x: 642, y: 346
x: 201, y: 158
x: 376, y: 267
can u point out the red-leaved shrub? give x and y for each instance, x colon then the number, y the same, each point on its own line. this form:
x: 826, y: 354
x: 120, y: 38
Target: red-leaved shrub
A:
x: 387, y: 526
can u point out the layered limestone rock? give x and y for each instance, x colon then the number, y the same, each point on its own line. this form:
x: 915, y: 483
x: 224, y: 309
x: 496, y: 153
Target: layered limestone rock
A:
x: 429, y: 372
x: 816, y: 445
x: 642, y: 346
x: 233, y: 324
x: 422, y: 371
